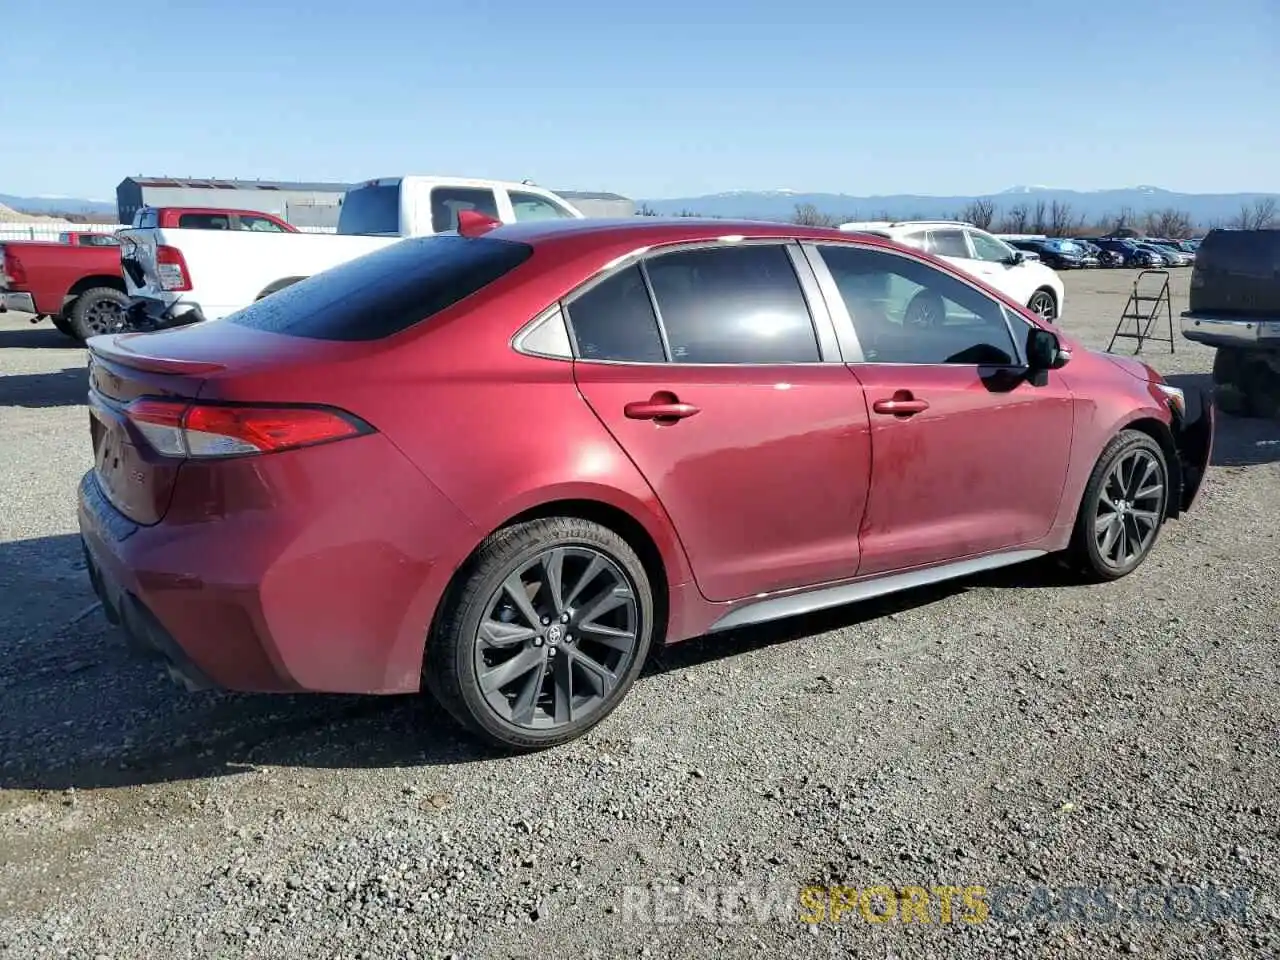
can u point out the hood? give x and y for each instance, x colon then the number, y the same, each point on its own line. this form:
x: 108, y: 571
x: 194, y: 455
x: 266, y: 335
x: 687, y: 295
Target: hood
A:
x: 1135, y: 368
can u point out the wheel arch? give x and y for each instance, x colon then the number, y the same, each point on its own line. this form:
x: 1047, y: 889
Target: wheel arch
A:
x: 97, y: 280
x: 1160, y: 432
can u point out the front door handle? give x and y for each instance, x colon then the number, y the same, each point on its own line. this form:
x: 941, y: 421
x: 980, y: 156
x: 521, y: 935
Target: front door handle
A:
x: 662, y: 406
x: 903, y: 404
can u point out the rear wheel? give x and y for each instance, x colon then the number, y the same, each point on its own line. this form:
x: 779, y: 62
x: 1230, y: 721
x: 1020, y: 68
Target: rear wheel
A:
x: 1123, y: 507
x: 98, y: 311
x: 543, y: 634
x: 62, y: 326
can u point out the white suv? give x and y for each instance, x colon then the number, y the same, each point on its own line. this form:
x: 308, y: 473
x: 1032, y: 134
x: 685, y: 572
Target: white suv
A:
x: 980, y: 254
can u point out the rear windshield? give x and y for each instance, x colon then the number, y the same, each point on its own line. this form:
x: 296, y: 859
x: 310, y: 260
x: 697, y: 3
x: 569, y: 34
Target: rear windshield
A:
x: 372, y: 211
x: 1246, y: 251
x: 386, y: 291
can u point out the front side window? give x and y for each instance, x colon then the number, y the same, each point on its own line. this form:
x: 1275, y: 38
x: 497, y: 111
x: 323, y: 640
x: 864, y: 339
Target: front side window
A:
x: 530, y: 206
x: 448, y: 202
x: 987, y: 247
x: 260, y: 224
x: 739, y: 304
x: 614, y: 320
x: 905, y: 311
x: 204, y: 221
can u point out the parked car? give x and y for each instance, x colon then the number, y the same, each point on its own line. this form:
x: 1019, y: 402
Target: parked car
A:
x: 1235, y: 307
x: 1053, y: 251
x: 1160, y: 257
x: 1173, y: 256
x: 979, y: 254
x: 77, y: 286
x: 506, y: 463
x: 1132, y: 254
x: 1099, y: 256
x: 177, y: 275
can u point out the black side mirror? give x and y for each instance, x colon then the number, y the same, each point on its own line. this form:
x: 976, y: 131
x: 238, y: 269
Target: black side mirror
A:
x: 1016, y: 258
x: 1044, y: 351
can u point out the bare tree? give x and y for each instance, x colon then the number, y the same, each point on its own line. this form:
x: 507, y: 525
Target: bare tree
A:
x: 646, y: 211
x: 1062, y: 220
x: 1016, y: 219
x: 1040, y: 217
x: 807, y: 215
x: 688, y: 213
x: 1114, y: 223
x: 1169, y: 224
x: 981, y: 213
x: 1261, y: 215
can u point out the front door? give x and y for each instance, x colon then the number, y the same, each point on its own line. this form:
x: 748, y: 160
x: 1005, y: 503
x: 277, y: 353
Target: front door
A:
x: 755, y: 444
x: 968, y: 456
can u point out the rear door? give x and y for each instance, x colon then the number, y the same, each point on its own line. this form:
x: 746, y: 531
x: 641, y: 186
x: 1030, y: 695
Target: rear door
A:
x: 716, y: 369
x: 968, y: 457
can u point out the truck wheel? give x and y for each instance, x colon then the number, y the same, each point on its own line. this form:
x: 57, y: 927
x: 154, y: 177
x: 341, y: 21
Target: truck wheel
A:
x: 60, y: 322
x: 1226, y: 365
x: 1260, y: 384
x: 98, y: 311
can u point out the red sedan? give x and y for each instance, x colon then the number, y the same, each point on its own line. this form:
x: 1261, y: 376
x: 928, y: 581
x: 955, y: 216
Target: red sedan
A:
x: 505, y: 463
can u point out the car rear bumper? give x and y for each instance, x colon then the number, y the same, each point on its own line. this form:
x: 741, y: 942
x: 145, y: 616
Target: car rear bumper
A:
x: 317, y: 575
x: 1218, y: 331
x: 19, y: 302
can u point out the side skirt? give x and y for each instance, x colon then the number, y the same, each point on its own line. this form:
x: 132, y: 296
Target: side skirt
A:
x: 794, y: 604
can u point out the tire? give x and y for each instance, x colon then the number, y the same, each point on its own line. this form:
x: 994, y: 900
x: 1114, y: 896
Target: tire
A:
x: 547, y: 648
x: 277, y: 286
x: 1260, y: 384
x: 1044, y: 298
x: 926, y: 309
x: 63, y: 326
x: 1087, y: 553
x: 97, y: 311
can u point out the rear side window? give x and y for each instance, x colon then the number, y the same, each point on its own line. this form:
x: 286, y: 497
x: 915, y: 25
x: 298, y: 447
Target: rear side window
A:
x: 739, y: 304
x: 448, y: 202
x: 614, y: 320
x: 146, y: 219
x: 260, y: 224
x: 371, y: 211
x: 387, y: 291
x: 204, y: 221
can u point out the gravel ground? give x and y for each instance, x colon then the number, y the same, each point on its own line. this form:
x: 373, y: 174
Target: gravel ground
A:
x: 1013, y: 732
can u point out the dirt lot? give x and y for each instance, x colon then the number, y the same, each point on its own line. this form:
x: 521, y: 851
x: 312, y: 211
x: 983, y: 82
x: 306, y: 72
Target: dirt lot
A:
x: 1014, y: 732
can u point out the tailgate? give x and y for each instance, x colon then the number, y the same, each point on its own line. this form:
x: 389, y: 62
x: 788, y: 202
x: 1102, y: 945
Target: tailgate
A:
x: 1237, y: 273
x: 137, y: 481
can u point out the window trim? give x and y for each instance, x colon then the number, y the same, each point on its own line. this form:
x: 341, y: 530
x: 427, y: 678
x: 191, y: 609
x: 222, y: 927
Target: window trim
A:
x: 848, y: 334
x: 824, y: 328
x: 544, y: 318
x: 972, y: 231
x: 565, y: 212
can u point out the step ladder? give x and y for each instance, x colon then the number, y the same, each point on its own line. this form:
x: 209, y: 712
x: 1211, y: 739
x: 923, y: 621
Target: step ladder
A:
x: 1141, y: 318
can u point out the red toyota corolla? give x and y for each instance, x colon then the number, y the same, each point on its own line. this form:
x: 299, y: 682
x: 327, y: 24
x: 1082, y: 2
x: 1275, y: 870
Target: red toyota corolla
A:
x: 506, y: 462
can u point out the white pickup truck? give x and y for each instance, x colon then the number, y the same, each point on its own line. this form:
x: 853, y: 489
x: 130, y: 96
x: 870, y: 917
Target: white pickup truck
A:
x: 177, y: 276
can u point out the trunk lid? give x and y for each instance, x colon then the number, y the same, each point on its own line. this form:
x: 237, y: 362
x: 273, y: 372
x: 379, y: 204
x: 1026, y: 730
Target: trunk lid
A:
x: 1237, y: 273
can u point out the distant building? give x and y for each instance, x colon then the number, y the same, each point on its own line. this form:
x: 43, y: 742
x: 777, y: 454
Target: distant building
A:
x: 301, y: 204
x: 594, y: 204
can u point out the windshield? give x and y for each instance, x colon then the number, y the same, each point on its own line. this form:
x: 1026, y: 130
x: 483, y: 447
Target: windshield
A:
x: 372, y: 211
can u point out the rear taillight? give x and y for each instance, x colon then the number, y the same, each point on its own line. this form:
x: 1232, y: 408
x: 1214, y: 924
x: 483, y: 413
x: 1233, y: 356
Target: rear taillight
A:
x: 13, y: 268
x: 176, y: 428
x: 171, y: 267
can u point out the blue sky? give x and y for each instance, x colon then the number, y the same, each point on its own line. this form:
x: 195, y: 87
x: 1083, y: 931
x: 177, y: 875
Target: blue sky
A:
x: 653, y: 99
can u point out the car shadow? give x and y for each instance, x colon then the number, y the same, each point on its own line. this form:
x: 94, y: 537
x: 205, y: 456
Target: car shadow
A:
x: 65, y: 388
x: 37, y: 336
x: 82, y: 711
x: 1238, y: 441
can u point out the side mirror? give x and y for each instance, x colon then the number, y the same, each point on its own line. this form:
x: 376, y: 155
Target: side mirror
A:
x: 1044, y: 351
x: 1016, y: 258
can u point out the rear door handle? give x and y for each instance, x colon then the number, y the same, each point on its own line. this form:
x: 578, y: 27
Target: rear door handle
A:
x: 663, y: 405
x: 903, y: 404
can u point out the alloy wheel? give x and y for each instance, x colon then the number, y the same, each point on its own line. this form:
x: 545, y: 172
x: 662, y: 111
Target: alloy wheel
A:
x: 556, y: 638
x: 104, y: 316
x: 1130, y: 508
x: 1043, y: 306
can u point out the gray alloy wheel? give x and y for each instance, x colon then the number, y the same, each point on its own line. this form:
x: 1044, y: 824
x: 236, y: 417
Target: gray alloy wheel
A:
x: 1043, y: 305
x: 98, y: 311
x: 926, y: 309
x: 542, y: 633
x: 1124, y: 507
x: 555, y: 637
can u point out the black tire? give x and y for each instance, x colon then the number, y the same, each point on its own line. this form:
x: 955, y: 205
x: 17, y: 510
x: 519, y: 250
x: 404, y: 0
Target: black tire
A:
x: 1042, y: 299
x: 926, y: 309
x: 1086, y: 552
x: 63, y: 327
x: 455, y: 652
x: 1260, y: 385
x: 98, y: 311
x: 1227, y: 365
x: 277, y: 286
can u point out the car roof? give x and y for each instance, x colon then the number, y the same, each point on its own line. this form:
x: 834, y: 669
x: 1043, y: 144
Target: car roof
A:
x: 645, y: 231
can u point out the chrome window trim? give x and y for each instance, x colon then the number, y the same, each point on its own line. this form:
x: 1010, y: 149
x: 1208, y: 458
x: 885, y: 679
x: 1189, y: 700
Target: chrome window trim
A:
x: 844, y: 323
x: 819, y: 316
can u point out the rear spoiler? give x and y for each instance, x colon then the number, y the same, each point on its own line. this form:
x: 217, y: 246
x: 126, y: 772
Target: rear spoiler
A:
x: 123, y: 349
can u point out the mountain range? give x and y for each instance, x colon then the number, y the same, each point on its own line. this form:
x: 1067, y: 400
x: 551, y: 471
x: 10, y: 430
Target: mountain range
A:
x: 1203, y: 208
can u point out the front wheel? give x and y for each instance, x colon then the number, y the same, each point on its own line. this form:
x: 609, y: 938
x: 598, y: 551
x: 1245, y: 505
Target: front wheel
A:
x: 543, y: 634
x: 1123, y: 507
x: 1044, y: 305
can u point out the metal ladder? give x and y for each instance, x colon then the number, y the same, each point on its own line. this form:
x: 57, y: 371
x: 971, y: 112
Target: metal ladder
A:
x: 1143, y: 321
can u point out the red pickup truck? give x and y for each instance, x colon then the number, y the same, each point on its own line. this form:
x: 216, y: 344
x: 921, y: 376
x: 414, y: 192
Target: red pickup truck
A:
x: 79, y: 287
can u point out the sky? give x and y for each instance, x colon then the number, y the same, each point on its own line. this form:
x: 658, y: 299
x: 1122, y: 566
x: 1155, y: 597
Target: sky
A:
x: 665, y: 98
